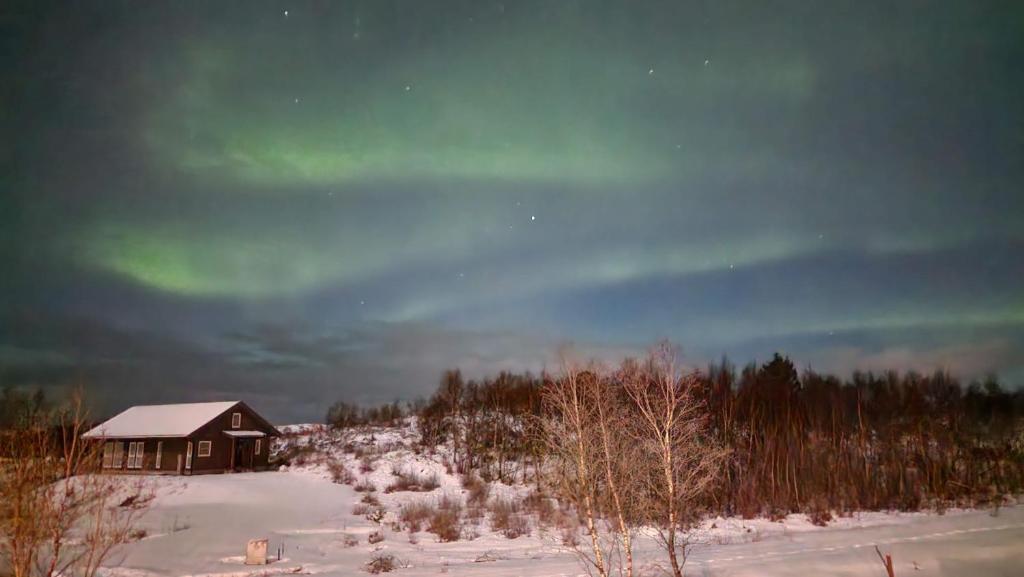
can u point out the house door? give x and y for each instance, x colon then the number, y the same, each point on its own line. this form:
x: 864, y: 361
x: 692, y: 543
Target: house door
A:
x: 243, y: 453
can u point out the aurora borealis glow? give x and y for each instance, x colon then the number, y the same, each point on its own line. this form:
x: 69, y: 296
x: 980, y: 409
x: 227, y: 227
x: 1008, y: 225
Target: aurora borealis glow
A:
x: 227, y: 200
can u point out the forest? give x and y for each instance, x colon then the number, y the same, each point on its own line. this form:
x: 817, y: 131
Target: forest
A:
x: 809, y: 442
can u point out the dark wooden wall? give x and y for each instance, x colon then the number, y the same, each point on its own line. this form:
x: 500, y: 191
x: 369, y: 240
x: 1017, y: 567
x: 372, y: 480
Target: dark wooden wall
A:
x: 221, y: 449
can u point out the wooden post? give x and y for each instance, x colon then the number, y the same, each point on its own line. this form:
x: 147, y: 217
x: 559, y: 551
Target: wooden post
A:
x: 232, y: 468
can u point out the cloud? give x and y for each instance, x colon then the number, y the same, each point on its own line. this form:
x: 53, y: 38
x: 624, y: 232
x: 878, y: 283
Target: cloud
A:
x: 970, y: 359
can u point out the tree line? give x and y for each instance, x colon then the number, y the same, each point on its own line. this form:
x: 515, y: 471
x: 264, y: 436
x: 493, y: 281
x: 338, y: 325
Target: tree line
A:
x: 648, y: 444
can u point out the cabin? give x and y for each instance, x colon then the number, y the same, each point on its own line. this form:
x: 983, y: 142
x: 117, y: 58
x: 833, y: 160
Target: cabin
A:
x: 185, y: 439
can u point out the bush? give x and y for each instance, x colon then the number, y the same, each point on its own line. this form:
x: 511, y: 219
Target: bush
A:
x: 445, y: 524
x: 381, y: 564
x: 350, y: 540
x: 409, y: 481
x: 542, y: 506
x: 372, y: 512
x: 340, y: 473
x: 820, y: 516
x: 366, y: 464
x: 414, y: 515
x: 446, y: 520
x: 294, y: 454
x: 505, y: 518
x: 478, y: 489
x: 370, y: 499
x: 501, y: 511
x: 364, y: 486
x: 376, y: 537
x: 517, y: 526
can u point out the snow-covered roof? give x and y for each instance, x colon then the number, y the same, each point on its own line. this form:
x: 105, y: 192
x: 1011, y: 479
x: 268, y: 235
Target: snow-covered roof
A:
x: 245, y: 434
x: 160, y: 420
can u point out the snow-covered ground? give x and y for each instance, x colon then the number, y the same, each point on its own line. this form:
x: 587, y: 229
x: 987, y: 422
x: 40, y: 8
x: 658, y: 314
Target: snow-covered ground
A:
x: 200, y: 525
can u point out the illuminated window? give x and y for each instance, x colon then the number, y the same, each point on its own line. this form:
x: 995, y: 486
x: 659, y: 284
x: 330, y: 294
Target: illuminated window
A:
x: 136, y: 449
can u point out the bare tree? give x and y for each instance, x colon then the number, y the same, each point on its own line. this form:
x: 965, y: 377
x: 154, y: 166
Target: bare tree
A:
x: 617, y: 456
x: 58, y: 517
x: 671, y: 427
x: 567, y: 432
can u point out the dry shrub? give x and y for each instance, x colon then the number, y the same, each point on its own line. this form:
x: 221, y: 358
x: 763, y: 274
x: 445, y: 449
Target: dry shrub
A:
x: 506, y: 519
x: 414, y: 515
x: 370, y: 499
x: 474, y: 514
x: 364, y: 486
x: 375, y: 514
x: 518, y: 526
x: 366, y: 464
x: 410, y: 481
x: 445, y: 524
x: 350, y: 540
x: 571, y: 536
x: 501, y: 511
x: 478, y: 489
x: 542, y: 506
x: 340, y: 473
x: 820, y: 516
x: 446, y: 520
x: 381, y: 564
x: 375, y: 537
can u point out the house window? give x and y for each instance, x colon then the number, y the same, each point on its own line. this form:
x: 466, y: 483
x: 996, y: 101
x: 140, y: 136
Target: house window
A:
x: 136, y: 449
x: 159, y: 454
x: 188, y: 456
x: 108, y: 454
x: 258, y: 445
x: 205, y: 448
x: 236, y: 420
x: 118, y: 457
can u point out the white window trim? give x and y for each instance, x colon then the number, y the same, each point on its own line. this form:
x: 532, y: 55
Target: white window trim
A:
x: 108, y: 454
x: 236, y: 420
x: 259, y: 445
x: 188, y: 456
x: 136, y: 451
x: 159, y: 454
x: 118, y: 457
x: 208, y: 446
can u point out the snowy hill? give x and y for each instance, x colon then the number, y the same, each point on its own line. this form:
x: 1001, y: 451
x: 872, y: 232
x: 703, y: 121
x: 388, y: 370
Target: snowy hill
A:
x: 320, y: 513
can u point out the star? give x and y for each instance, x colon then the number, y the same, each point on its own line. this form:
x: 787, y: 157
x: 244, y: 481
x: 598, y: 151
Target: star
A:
x: 296, y: 101
x: 706, y: 62
x: 285, y: 13
x: 408, y: 88
x: 533, y: 217
x: 650, y: 72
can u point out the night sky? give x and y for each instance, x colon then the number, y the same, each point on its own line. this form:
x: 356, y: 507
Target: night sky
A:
x: 296, y: 202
